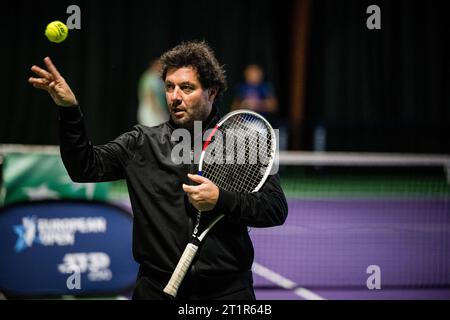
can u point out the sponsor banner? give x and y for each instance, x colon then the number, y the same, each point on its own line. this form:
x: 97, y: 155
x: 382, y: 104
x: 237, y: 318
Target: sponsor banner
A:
x: 68, y: 247
x: 34, y: 176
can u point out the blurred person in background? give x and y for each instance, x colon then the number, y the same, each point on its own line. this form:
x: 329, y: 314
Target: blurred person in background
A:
x: 254, y: 93
x: 258, y: 95
x: 152, y: 109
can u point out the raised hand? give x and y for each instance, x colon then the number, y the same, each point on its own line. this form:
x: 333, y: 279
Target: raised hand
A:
x: 51, y: 81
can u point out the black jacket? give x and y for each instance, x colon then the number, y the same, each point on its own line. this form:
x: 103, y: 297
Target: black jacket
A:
x: 163, y: 217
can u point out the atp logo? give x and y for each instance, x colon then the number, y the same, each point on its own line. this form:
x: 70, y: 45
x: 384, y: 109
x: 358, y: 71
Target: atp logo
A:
x: 26, y: 234
x: 95, y: 264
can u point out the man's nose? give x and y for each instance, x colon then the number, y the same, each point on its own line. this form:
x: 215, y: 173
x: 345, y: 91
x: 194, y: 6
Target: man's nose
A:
x: 175, y: 94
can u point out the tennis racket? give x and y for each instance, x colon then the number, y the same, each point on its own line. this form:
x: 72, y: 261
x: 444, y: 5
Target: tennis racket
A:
x: 237, y: 156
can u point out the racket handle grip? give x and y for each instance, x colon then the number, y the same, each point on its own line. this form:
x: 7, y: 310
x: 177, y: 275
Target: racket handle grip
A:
x: 180, y: 271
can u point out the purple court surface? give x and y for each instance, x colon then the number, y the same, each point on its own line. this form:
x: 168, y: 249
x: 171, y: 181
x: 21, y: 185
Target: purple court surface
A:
x: 329, y: 248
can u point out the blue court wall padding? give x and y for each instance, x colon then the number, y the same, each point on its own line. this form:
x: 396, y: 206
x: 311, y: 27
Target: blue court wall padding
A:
x: 67, y: 247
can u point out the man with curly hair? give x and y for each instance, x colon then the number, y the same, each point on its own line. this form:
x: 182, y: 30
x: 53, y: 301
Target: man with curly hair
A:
x: 165, y: 196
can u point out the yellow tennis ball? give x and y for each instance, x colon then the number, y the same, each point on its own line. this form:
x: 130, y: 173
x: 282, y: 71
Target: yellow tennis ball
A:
x: 56, y: 31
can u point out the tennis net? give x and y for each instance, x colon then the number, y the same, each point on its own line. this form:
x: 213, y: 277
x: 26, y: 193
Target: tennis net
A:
x: 350, y: 214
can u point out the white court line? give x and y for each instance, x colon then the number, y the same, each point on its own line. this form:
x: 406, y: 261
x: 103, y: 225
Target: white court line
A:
x: 285, y: 283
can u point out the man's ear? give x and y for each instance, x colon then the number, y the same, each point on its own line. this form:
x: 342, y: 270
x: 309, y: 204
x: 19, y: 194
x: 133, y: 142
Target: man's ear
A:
x: 212, y: 93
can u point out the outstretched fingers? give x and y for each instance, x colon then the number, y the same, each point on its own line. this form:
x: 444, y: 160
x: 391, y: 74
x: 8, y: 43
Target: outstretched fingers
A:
x: 40, y: 83
x: 51, y: 68
x: 42, y: 73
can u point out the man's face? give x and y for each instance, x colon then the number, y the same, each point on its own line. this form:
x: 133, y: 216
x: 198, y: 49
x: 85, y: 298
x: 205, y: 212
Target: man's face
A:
x: 186, y: 99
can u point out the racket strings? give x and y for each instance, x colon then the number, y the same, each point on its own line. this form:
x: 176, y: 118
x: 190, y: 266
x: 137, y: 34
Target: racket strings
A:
x: 246, y: 156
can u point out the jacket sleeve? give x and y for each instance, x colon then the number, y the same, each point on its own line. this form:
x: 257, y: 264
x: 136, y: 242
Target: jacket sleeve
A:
x: 85, y: 162
x: 265, y: 208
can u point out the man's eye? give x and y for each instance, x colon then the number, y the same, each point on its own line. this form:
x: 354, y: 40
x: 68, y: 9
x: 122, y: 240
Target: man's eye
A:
x: 169, y: 87
x: 187, y: 89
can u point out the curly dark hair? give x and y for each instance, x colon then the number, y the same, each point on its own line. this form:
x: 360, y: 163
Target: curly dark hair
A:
x: 199, y: 56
